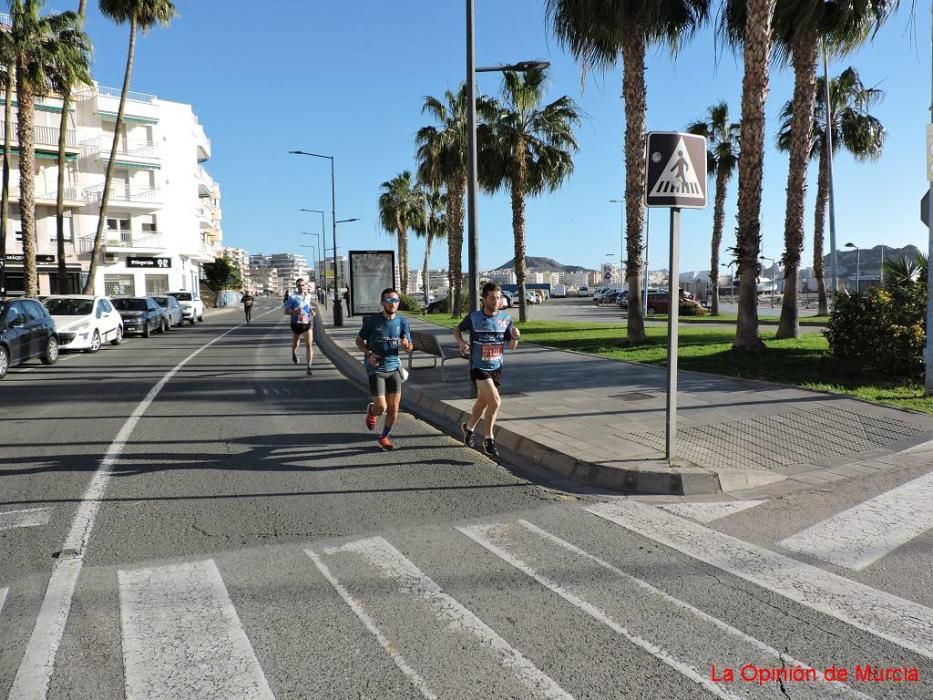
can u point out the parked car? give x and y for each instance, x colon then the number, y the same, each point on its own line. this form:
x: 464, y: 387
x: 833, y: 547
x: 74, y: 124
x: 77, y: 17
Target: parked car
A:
x: 26, y: 331
x: 85, y: 322
x: 531, y: 297
x: 141, y: 315
x: 658, y: 304
x: 583, y: 292
x: 191, y: 305
x: 437, y: 306
x: 171, y: 308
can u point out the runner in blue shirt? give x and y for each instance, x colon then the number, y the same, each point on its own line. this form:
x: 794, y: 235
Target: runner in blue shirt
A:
x: 300, y: 306
x: 490, y: 329
x: 379, y: 340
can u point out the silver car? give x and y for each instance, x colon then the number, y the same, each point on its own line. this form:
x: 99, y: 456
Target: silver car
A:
x: 170, y: 308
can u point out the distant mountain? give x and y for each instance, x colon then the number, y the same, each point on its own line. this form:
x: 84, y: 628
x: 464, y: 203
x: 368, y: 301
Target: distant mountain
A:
x: 548, y: 264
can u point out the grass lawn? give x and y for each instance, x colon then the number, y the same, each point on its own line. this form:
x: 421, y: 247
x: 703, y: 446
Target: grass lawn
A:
x: 731, y: 318
x: 803, y: 361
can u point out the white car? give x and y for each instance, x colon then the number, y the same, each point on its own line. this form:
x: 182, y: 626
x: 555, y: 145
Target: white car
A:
x: 85, y: 322
x: 192, y: 308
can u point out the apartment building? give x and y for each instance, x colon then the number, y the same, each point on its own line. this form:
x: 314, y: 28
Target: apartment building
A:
x: 239, y: 258
x: 163, y: 218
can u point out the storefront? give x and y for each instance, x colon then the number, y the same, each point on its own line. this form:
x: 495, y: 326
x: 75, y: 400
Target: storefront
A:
x: 47, y: 269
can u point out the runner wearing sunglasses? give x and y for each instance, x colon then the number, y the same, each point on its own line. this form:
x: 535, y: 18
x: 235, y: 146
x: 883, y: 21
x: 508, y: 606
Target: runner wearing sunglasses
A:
x: 379, y: 340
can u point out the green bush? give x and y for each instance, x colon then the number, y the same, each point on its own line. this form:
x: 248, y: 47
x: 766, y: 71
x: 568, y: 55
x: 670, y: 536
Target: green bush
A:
x: 409, y: 303
x: 880, y: 330
x: 692, y: 310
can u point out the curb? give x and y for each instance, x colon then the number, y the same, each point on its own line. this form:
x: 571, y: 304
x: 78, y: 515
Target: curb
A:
x: 650, y: 478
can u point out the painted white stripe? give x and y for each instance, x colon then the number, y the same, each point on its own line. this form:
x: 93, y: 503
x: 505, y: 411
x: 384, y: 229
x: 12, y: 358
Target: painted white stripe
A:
x: 708, y: 512
x: 3, y: 592
x: 413, y: 676
x: 30, y: 517
x: 412, y: 581
x: 903, y: 622
x: 182, y: 637
x: 863, y: 534
x: 35, y: 670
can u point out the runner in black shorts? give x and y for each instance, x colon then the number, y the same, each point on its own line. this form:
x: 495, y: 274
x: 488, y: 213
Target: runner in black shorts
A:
x: 300, y: 306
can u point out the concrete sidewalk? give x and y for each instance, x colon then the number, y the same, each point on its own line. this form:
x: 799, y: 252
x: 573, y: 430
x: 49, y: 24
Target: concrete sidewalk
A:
x: 602, y: 423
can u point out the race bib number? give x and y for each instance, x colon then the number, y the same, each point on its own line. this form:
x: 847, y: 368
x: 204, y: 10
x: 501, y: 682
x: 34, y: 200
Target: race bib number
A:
x: 492, y: 351
x: 304, y: 317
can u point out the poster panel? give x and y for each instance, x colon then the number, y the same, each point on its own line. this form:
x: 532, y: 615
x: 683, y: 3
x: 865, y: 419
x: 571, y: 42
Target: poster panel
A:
x: 371, y: 271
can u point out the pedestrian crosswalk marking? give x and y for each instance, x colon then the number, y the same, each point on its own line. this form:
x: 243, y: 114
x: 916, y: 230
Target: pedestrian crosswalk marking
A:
x: 901, y: 621
x: 182, y: 636
x: 30, y: 517
x: 412, y: 582
x: 709, y: 634
x: 679, y: 176
x: 859, y: 536
x: 708, y: 512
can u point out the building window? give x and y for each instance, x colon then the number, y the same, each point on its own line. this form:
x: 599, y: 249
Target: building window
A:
x: 119, y: 285
x: 156, y: 284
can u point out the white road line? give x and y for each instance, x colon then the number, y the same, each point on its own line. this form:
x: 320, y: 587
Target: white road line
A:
x: 903, y: 622
x: 708, y: 512
x: 182, y: 637
x: 35, y: 670
x: 863, y: 534
x: 30, y: 517
x: 3, y: 592
x: 412, y: 582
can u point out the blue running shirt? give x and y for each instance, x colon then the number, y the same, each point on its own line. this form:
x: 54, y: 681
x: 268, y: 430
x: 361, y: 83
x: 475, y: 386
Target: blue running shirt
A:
x: 303, y: 304
x: 488, y: 337
x: 382, y: 336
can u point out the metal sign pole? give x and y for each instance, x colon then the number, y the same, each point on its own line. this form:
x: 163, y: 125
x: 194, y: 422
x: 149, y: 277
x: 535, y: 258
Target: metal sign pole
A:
x: 672, y: 321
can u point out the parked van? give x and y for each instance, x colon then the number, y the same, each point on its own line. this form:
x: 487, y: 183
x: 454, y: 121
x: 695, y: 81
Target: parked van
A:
x: 559, y: 291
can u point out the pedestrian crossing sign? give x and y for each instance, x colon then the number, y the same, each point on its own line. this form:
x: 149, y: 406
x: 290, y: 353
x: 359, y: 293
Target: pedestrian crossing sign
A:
x: 676, y: 173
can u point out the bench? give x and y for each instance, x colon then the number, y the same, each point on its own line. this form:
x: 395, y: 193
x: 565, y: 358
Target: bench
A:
x: 427, y: 343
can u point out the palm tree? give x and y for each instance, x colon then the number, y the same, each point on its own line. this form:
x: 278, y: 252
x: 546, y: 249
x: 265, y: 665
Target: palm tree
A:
x: 799, y: 27
x: 596, y: 32
x: 141, y: 14
x: 748, y: 23
x: 722, y: 158
x: 853, y: 127
x: 432, y: 225
x: 7, y: 78
x: 39, y: 44
x: 529, y: 150
x: 68, y: 81
x: 442, y: 159
x: 400, y: 205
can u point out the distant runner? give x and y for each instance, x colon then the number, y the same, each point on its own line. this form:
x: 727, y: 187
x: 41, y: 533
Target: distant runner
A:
x: 379, y: 340
x: 247, y: 300
x: 300, y: 307
x: 490, y: 329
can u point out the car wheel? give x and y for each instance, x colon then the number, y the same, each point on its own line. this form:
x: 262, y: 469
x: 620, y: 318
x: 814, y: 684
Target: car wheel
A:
x: 50, y: 356
x: 192, y: 320
x: 118, y: 338
x: 95, y: 342
x: 163, y: 325
x: 147, y: 330
x: 168, y: 326
x: 4, y: 361
x: 201, y: 318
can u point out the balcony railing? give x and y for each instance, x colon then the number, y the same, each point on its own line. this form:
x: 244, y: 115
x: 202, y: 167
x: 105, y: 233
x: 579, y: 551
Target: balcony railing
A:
x: 42, y: 135
x: 120, y: 194
x: 123, y: 239
x: 132, y: 96
x: 149, y: 151
x: 72, y: 194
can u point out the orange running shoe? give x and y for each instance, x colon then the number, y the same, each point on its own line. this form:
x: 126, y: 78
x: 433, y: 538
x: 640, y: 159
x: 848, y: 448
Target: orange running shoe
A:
x: 385, y: 443
x: 370, y: 418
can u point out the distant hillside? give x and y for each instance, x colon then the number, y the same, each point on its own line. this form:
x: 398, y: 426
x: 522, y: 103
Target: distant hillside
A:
x: 548, y: 264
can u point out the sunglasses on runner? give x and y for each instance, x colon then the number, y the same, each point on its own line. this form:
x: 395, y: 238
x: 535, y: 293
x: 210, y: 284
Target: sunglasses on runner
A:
x: 391, y: 300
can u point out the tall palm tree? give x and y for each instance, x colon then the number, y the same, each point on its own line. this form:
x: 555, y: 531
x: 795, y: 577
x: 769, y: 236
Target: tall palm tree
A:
x: 753, y: 32
x: 67, y: 83
x: 442, y: 159
x: 431, y: 226
x: 7, y: 78
x: 853, y: 127
x: 144, y: 15
x: 400, y: 206
x: 799, y: 26
x: 529, y: 151
x: 39, y: 43
x: 722, y: 158
x: 597, y: 32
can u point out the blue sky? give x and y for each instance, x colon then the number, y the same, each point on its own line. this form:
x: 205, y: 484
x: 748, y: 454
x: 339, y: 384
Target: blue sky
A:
x: 349, y: 79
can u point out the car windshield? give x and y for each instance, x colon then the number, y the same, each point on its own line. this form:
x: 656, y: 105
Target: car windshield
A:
x: 161, y: 301
x: 69, y: 307
x: 182, y: 296
x: 130, y: 304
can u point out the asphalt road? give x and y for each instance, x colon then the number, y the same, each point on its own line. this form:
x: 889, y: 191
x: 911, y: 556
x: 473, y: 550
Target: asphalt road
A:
x: 190, y: 516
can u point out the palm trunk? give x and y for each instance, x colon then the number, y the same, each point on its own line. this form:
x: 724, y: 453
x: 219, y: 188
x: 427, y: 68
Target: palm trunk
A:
x: 403, y: 259
x: 804, y: 58
x: 751, y: 159
x: 425, y: 278
x: 105, y: 195
x: 822, y: 195
x: 5, y: 201
x: 455, y: 244
x: 27, y: 182
x: 518, y: 231
x: 634, y: 92
x: 719, y: 215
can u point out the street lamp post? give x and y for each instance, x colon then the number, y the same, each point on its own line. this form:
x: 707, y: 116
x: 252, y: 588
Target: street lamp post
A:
x: 773, y: 267
x: 472, y: 185
x: 319, y: 265
x: 324, y: 239
x: 857, y: 252
x: 338, y: 309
